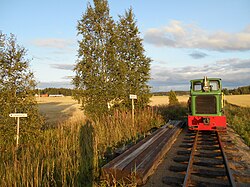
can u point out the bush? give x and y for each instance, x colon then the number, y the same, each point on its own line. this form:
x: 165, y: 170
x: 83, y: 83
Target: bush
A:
x: 173, y: 112
x: 172, y: 98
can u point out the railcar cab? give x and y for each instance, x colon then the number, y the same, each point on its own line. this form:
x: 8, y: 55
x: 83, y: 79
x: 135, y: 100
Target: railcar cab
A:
x: 205, y: 85
x: 206, y: 104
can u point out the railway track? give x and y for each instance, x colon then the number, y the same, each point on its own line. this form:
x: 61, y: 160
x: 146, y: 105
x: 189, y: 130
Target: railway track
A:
x: 208, y: 161
x: 202, y: 159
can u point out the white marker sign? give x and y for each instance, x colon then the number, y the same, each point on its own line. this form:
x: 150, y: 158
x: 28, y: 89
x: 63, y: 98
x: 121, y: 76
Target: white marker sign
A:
x: 18, y: 115
x: 132, y: 96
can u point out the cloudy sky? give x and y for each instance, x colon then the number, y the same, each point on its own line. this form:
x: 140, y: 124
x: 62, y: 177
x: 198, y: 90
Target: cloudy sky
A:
x: 185, y: 39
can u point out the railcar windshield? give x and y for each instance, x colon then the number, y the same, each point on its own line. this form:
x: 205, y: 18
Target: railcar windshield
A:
x: 197, y: 86
x: 214, y: 85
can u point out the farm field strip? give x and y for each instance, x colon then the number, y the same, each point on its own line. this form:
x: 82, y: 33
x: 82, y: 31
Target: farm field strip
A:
x: 57, y: 109
x: 239, y: 100
x: 62, y: 108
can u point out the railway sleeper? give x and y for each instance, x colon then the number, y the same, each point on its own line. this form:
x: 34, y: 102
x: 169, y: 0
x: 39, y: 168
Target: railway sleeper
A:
x: 178, y: 168
x: 190, y: 133
x: 188, y: 138
x: 188, y: 146
x: 172, y: 181
x: 184, y: 152
x: 207, y: 138
x: 210, y: 143
x: 202, y: 139
x: 210, y: 163
x: 209, y: 183
x: 208, y: 147
x: 188, y: 141
x: 204, y: 154
x: 181, y: 159
x: 209, y: 173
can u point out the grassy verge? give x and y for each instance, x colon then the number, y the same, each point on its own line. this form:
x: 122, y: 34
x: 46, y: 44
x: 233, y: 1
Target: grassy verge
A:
x: 52, y: 160
x: 72, y: 153
x: 238, y: 119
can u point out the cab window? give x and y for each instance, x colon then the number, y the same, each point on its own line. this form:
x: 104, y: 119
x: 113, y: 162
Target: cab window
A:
x: 214, y: 85
x: 197, y: 86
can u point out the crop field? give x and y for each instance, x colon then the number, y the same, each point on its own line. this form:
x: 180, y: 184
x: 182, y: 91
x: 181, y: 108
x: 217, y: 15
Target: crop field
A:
x: 58, y: 109
x: 64, y: 108
x: 239, y: 100
x: 163, y: 100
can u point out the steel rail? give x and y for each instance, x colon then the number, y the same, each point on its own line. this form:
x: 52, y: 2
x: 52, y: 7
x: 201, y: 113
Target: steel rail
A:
x: 228, y: 170
x: 190, y: 162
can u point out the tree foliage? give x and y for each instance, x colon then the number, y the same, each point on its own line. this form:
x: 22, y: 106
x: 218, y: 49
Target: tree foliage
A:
x: 16, y: 91
x: 172, y: 98
x: 237, y: 91
x: 133, y: 63
x: 111, y: 62
x: 95, y: 52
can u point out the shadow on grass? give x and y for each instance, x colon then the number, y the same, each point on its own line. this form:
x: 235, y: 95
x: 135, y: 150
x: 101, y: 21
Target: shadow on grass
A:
x: 88, y: 165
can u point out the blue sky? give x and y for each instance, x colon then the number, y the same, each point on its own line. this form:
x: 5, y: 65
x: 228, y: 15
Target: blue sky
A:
x: 185, y: 39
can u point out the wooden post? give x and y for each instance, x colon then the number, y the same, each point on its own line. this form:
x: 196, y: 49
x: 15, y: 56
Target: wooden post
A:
x: 17, y: 133
x: 133, y: 113
x: 18, y: 116
x: 132, y: 97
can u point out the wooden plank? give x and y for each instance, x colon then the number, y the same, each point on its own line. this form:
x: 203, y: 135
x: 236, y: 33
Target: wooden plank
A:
x: 142, y: 158
x: 136, y: 146
x: 121, y: 164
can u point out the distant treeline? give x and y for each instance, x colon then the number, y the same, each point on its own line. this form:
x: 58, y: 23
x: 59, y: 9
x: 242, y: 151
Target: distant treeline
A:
x: 237, y: 91
x: 178, y: 93
x: 69, y: 92
x: 55, y: 91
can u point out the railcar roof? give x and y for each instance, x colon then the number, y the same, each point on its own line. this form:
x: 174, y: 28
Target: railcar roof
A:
x: 207, y: 79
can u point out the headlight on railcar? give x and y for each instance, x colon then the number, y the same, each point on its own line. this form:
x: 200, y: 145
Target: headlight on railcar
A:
x: 206, y: 121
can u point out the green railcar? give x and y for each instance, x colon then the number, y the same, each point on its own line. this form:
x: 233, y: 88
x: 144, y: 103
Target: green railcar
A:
x: 206, y: 104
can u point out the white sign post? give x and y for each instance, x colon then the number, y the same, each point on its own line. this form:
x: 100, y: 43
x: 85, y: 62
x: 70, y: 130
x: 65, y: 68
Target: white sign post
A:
x: 132, y: 97
x: 17, y: 115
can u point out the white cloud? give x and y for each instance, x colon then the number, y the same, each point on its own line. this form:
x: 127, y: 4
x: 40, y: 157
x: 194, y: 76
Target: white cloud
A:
x: 180, y: 35
x: 234, y: 72
x: 52, y: 84
x: 63, y: 66
x: 53, y: 43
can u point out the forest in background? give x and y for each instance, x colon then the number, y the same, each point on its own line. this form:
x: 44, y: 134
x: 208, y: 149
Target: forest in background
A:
x: 69, y: 92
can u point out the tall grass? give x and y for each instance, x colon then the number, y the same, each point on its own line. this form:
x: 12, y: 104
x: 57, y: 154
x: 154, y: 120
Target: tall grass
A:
x: 53, y: 160
x: 72, y: 153
x: 238, y: 119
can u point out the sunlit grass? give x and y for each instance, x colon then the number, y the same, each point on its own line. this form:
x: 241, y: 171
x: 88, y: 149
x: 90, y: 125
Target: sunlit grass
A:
x: 72, y: 153
x: 238, y: 119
